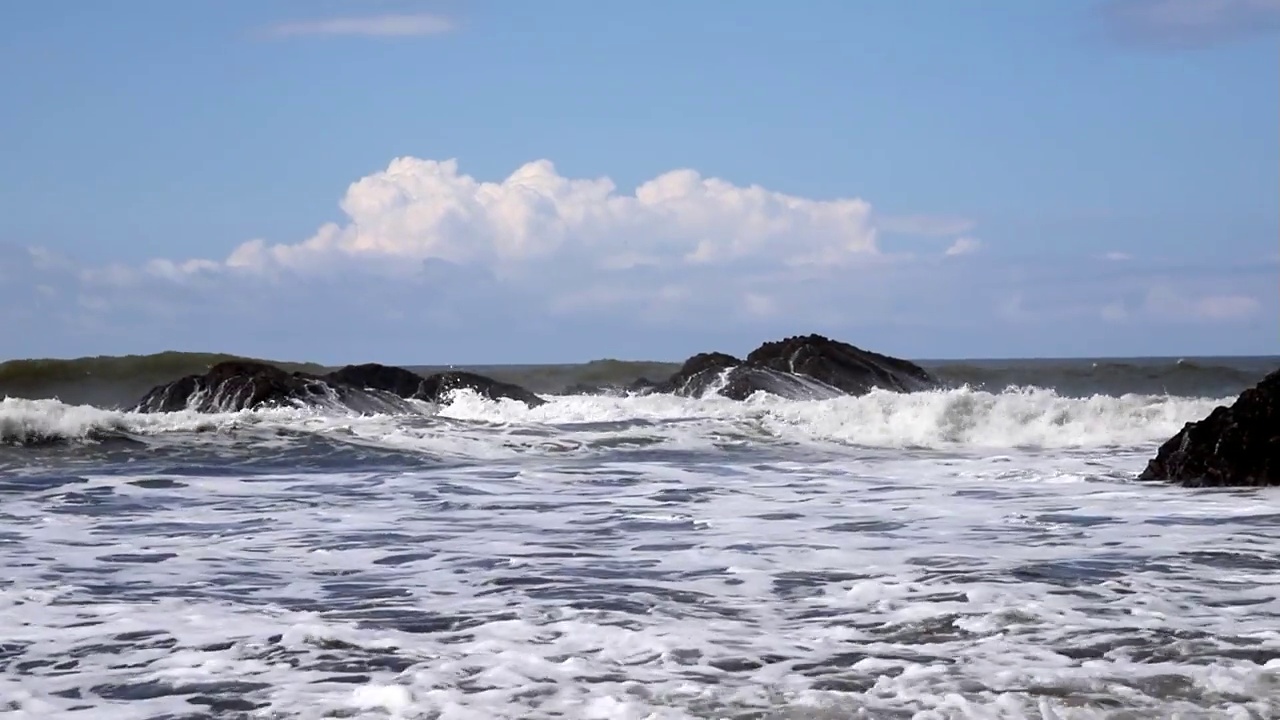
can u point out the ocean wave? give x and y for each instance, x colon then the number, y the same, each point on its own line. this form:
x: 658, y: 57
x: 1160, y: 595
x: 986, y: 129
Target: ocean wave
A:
x: 1083, y: 378
x: 122, y: 381
x: 472, y: 425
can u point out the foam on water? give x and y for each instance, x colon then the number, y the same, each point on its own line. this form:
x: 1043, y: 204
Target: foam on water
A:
x: 933, y: 556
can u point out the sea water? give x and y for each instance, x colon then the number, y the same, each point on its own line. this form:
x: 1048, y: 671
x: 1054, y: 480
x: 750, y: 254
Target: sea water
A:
x: 950, y: 554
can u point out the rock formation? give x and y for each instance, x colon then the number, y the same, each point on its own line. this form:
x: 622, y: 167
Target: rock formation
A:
x: 397, y: 381
x: 433, y: 388
x: 801, y: 367
x: 1236, y: 445
x: 437, y: 388
x: 368, y: 388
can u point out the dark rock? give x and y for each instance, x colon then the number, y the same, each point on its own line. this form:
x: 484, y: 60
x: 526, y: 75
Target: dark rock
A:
x: 698, y: 374
x: 433, y: 388
x: 840, y: 365
x: 397, y: 381
x: 1234, y: 446
x: 802, y: 367
x: 369, y: 388
x: 236, y: 385
x: 438, y: 387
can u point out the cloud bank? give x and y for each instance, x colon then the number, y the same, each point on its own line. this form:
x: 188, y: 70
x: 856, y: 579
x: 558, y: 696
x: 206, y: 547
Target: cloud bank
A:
x: 418, y: 210
x: 431, y: 264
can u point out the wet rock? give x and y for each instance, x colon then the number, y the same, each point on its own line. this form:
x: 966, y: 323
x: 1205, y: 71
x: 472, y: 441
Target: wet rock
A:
x: 801, y: 367
x: 1234, y: 446
x: 369, y: 388
x: 433, y: 388
x: 236, y: 385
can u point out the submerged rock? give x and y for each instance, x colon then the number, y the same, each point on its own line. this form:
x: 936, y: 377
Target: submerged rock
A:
x: 1235, y: 446
x: 639, y: 386
x: 368, y: 388
x: 801, y: 367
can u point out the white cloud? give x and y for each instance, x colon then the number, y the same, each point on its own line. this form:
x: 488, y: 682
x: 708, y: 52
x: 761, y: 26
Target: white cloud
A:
x: 418, y: 209
x: 1117, y: 256
x: 410, y: 25
x: 963, y: 246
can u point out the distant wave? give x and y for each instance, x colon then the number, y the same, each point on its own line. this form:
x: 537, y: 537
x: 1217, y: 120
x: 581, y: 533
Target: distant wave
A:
x: 110, y: 381
x: 1082, y: 378
x: 1020, y: 418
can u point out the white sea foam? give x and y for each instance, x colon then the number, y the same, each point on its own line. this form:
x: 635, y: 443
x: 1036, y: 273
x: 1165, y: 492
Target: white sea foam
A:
x: 1004, y: 587
x: 933, y: 556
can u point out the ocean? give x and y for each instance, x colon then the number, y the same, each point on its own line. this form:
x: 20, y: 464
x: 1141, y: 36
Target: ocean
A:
x: 982, y: 551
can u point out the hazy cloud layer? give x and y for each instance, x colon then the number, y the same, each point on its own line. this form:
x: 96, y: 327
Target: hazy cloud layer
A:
x: 1189, y: 23
x: 406, y: 25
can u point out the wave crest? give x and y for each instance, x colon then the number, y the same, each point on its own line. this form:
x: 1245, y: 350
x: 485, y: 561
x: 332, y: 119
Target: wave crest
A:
x: 964, y: 417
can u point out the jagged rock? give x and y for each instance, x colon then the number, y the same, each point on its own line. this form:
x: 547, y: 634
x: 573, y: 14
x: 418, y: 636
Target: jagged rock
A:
x: 698, y: 374
x: 1236, y: 445
x: 369, y: 388
x: 801, y: 367
x: 841, y: 365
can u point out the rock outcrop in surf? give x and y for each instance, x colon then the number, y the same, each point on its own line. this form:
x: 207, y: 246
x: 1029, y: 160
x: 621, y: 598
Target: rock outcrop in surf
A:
x: 368, y: 388
x: 800, y: 367
x: 1234, y: 446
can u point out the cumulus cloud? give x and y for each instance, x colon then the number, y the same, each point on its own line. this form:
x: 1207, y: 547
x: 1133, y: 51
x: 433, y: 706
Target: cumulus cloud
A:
x: 1189, y: 23
x: 407, y: 25
x: 419, y: 210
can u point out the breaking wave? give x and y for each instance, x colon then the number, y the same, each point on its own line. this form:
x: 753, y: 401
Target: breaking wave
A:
x: 1015, y: 418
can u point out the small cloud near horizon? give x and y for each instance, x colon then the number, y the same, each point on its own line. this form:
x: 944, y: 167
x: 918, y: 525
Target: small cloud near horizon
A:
x: 405, y: 25
x: 1185, y: 24
x: 964, y: 246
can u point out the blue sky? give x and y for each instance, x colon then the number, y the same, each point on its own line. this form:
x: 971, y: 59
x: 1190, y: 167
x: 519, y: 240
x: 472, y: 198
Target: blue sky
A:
x: 412, y: 181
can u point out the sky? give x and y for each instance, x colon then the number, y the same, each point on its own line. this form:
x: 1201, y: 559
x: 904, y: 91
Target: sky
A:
x: 485, y: 181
